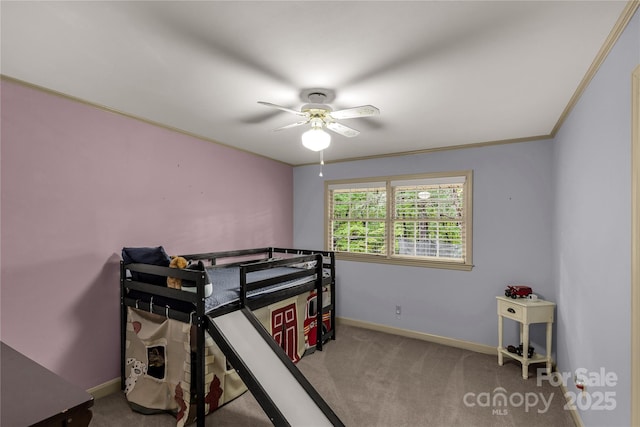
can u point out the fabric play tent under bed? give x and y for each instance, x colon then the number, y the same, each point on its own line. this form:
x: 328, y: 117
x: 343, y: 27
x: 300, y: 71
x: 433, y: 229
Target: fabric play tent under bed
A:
x: 167, y: 354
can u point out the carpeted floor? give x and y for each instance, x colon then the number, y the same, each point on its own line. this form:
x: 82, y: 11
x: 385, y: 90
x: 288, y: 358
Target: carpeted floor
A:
x: 371, y: 378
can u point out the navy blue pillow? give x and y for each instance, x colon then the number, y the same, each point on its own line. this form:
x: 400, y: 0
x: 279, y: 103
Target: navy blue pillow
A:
x: 153, y: 256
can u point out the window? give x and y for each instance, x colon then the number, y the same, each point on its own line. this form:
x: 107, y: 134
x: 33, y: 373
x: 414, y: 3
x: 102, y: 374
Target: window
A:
x: 156, y: 367
x: 422, y: 220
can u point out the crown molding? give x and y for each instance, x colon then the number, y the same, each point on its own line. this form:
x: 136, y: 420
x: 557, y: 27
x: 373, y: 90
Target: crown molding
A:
x: 611, y: 40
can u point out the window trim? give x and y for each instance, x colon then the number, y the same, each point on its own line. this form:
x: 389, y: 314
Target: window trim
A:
x: 466, y: 265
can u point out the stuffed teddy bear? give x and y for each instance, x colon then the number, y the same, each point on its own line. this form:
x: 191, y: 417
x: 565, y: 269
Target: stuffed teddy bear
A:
x: 176, y: 262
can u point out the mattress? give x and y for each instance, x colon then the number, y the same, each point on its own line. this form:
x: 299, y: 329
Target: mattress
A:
x: 226, y: 283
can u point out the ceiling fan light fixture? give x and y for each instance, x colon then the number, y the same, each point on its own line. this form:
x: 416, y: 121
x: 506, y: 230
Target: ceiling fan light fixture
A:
x: 315, y: 139
x: 321, y: 116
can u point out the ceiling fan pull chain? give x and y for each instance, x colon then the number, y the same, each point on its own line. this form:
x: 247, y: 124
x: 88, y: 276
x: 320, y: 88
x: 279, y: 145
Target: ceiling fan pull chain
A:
x: 321, y: 162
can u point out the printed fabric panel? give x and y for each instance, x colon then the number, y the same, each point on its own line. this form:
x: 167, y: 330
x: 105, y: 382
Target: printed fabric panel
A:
x: 160, y: 354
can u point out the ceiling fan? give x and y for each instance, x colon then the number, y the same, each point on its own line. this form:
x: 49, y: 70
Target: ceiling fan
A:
x: 320, y: 115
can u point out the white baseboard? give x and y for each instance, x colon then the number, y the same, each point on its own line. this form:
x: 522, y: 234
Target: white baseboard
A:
x: 451, y: 342
x: 105, y: 389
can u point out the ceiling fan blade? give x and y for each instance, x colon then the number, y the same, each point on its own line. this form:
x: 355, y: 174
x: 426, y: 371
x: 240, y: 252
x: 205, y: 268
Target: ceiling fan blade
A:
x: 342, y: 129
x: 280, y: 107
x: 349, y: 113
x: 292, y: 125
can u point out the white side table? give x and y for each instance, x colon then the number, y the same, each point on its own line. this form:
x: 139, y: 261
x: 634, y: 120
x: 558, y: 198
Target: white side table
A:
x: 525, y: 311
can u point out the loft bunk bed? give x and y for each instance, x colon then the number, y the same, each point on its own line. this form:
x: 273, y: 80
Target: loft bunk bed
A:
x: 175, y: 355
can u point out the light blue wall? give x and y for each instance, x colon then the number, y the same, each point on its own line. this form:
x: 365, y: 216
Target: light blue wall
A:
x: 553, y: 214
x: 512, y: 203
x: 592, y: 229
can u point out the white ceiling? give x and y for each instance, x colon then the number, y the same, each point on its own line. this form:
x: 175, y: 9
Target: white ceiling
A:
x: 442, y: 73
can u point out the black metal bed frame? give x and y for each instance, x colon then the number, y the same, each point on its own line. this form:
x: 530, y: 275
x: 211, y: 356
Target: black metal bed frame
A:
x: 144, y: 294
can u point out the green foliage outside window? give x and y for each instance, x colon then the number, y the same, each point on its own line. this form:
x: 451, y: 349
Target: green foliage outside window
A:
x: 411, y: 218
x: 429, y: 221
x: 359, y: 224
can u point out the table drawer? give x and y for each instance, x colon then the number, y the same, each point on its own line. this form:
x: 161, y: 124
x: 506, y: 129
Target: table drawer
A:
x: 511, y: 311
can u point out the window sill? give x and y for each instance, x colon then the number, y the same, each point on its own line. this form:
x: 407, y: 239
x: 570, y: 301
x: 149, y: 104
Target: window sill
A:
x: 380, y: 259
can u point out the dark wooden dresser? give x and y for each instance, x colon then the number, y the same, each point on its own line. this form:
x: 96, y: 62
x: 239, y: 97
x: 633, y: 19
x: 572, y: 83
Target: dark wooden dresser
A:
x: 31, y: 395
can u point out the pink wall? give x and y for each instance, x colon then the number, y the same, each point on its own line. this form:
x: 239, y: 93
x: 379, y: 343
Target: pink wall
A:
x: 78, y: 184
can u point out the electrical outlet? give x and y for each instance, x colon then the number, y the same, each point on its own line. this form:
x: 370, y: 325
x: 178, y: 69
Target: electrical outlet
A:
x: 398, y: 310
